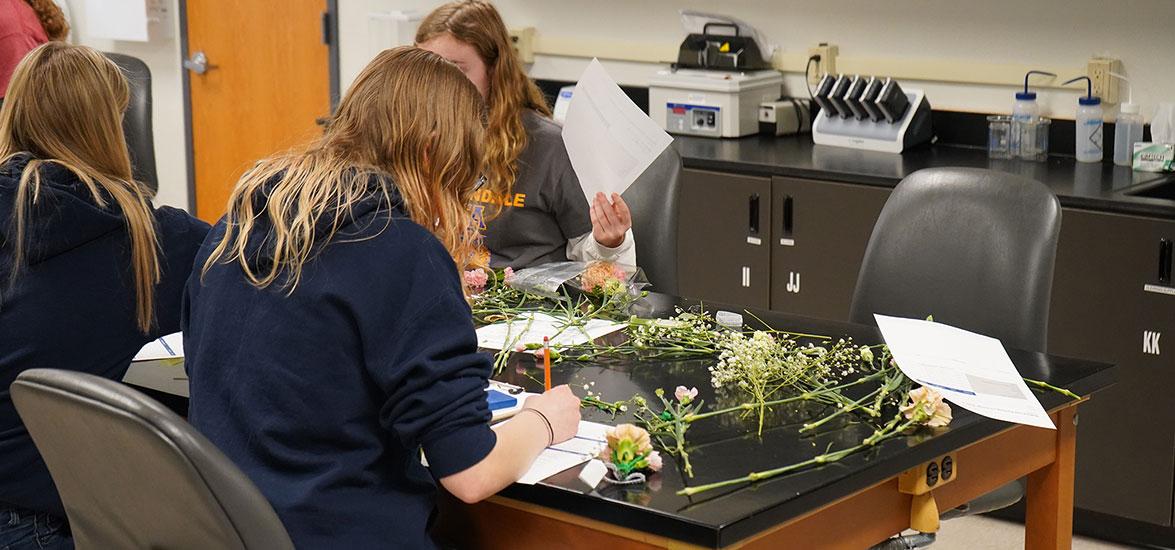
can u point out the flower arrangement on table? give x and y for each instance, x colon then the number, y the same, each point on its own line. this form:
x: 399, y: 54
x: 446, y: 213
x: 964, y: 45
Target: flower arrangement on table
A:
x: 629, y: 455
x: 754, y: 371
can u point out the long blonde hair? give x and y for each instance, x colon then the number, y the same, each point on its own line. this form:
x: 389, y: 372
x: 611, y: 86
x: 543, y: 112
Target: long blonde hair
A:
x: 410, y: 114
x: 65, y: 106
x: 479, y: 24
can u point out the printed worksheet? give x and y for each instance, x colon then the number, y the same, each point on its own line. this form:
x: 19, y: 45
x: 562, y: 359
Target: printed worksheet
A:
x: 609, y: 139
x: 530, y: 328
x: 970, y: 370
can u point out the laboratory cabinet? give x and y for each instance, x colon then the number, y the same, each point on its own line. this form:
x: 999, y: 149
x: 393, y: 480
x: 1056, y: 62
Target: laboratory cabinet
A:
x: 820, y: 233
x: 796, y: 245
x: 787, y: 244
x: 723, y: 237
x: 1113, y: 301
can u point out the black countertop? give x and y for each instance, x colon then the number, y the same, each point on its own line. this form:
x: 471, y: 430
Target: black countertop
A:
x: 1098, y: 187
x: 727, y: 447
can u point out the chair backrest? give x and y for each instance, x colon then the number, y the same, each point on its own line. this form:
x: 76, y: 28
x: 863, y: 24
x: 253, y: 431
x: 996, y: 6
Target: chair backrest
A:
x: 653, y: 200
x: 974, y: 248
x: 136, y: 123
x: 132, y: 474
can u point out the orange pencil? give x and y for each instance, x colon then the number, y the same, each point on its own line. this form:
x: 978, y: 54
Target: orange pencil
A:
x: 547, y: 363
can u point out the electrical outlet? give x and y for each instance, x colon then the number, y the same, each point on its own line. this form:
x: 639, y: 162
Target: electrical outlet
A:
x: 1104, y: 85
x: 827, y: 63
x: 523, y: 42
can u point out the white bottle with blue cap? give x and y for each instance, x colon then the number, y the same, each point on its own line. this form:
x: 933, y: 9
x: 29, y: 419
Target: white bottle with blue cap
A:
x: 1089, y: 124
x: 1023, y: 111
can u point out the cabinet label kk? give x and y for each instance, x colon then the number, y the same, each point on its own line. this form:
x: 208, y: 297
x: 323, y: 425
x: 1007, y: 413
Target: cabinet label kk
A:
x: 1150, y: 342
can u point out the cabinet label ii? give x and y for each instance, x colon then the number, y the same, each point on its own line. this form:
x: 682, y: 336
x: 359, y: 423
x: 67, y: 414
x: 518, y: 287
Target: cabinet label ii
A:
x: 1150, y: 342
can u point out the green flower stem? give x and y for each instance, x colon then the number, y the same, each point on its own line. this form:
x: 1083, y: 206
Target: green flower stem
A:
x: 890, y: 430
x: 849, y: 408
x: 1047, y: 386
x: 776, y: 331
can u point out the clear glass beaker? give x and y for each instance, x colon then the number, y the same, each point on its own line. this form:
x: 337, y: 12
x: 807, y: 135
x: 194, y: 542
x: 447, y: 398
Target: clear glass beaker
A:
x: 1034, y: 139
x: 999, y: 136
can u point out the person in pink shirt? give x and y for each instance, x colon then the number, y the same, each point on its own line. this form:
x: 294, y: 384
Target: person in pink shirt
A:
x: 24, y: 25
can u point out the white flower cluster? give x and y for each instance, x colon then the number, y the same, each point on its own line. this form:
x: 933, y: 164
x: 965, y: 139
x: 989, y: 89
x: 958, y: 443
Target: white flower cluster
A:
x: 750, y: 363
x: 684, y: 327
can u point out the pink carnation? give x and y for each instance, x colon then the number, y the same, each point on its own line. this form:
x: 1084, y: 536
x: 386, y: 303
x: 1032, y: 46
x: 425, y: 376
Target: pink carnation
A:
x: 507, y: 273
x: 654, y: 459
x: 476, y: 279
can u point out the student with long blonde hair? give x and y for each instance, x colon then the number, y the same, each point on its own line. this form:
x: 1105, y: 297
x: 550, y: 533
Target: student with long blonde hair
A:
x: 328, y: 339
x: 89, y: 271
x: 531, y: 208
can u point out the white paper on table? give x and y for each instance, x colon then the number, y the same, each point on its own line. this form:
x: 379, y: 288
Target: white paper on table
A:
x: 968, y: 369
x: 586, y: 444
x: 164, y: 347
x: 530, y: 328
x: 609, y: 139
x: 117, y: 19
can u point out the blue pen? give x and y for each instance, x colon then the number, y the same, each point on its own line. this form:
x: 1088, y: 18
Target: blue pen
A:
x: 167, y: 347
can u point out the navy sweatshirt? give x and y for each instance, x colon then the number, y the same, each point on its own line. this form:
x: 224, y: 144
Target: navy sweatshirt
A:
x: 73, y: 305
x: 324, y: 397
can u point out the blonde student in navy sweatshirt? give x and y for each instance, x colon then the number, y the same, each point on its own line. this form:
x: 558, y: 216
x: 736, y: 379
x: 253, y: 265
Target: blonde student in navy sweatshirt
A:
x: 327, y: 337
x: 89, y: 271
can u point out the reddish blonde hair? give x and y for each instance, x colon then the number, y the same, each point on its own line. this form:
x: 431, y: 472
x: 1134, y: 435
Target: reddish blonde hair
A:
x: 478, y: 23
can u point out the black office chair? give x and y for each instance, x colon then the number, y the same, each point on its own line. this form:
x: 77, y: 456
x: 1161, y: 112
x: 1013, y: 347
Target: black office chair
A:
x: 975, y: 249
x: 653, y: 199
x: 132, y: 474
x: 136, y: 123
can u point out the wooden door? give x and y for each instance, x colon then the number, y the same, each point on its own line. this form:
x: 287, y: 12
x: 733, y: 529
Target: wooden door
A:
x: 268, y: 79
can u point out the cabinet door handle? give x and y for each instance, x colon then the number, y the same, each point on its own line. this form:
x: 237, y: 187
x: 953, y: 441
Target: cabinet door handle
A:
x: 1165, y: 257
x: 753, y: 217
x: 788, y: 219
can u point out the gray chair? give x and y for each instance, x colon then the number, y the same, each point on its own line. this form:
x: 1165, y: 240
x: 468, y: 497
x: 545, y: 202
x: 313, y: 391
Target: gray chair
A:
x: 136, y: 123
x: 974, y: 248
x: 653, y: 199
x: 132, y: 474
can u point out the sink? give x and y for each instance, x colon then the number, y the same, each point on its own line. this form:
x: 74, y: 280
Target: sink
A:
x: 1160, y: 190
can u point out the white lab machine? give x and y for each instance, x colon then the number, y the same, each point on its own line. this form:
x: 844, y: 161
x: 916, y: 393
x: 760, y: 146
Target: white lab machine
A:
x: 711, y: 103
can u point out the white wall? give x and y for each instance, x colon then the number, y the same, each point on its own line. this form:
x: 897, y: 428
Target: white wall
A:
x: 162, y: 56
x: 1048, y: 32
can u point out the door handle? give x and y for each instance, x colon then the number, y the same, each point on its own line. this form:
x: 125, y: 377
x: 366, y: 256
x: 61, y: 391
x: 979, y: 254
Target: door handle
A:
x: 1165, y: 257
x: 753, y: 216
x: 788, y: 219
x: 198, y: 63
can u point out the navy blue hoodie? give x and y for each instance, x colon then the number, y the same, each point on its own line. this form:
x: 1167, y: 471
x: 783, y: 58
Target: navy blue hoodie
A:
x: 325, y: 397
x: 73, y: 305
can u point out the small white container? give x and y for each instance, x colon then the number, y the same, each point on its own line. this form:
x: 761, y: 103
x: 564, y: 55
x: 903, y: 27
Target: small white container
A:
x: 1089, y: 130
x: 730, y: 320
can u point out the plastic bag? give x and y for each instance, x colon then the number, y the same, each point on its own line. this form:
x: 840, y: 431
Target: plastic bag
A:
x: 596, y: 278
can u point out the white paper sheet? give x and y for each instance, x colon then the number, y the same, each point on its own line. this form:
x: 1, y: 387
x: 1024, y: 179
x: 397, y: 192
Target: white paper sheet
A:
x: 968, y: 369
x: 531, y: 328
x: 571, y: 453
x: 609, y: 139
x: 165, y: 347
x: 166, y: 375
x: 117, y: 19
